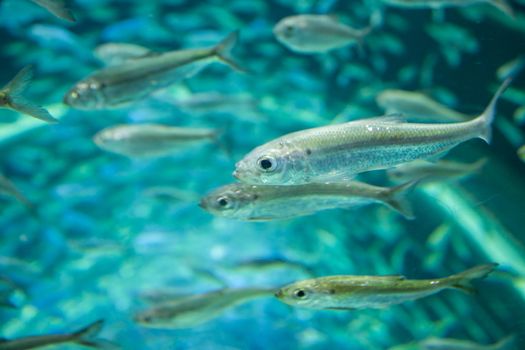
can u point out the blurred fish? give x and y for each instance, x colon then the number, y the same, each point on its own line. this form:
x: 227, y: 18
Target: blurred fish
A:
x: 521, y: 153
x: 506, y: 343
x: 335, y: 153
x: 316, y: 33
x: 136, y: 79
x: 361, y: 292
x: 6, y: 187
x: 429, y: 171
x: 502, y: 5
x: 57, y: 8
x: 511, y: 68
x: 113, y: 54
x: 11, y: 97
x: 149, y: 140
x: 193, y: 310
x: 85, y: 336
x: 416, y: 106
x: 519, y: 115
x: 59, y: 40
x: 262, y: 264
x: 171, y: 193
x: 264, y: 203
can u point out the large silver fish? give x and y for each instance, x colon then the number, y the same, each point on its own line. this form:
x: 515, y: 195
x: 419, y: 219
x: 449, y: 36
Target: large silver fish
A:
x: 266, y: 202
x: 193, y: 310
x: 362, y: 292
x: 11, y: 97
x: 335, y: 153
x: 85, y: 336
x: 57, y: 8
x: 316, y: 33
x: 135, y: 79
x: 149, y: 140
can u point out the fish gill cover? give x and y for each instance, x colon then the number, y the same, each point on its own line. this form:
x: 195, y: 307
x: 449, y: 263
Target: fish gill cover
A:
x: 122, y: 226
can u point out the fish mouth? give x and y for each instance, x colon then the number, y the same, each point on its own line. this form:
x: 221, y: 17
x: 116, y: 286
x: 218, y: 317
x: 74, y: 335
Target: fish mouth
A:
x: 202, y: 204
x: 236, y: 175
x: 279, y: 294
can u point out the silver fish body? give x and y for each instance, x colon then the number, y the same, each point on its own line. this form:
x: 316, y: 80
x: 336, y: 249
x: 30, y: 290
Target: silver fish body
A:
x: 417, y: 107
x: 135, y: 79
x: 502, y: 5
x: 149, y: 140
x: 433, y: 343
x: 266, y: 202
x: 429, y: 171
x: 361, y: 292
x: 316, y: 33
x: 337, y: 152
x: 193, y: 310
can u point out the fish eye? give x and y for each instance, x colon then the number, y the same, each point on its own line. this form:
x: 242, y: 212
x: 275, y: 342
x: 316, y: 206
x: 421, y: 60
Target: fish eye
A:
x: 299, y: 293
x: 266, y: 163
x: 223, y: 202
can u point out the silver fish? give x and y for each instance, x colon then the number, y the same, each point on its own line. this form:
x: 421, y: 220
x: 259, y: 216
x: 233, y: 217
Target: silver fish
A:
x: 316, y: 33
x: 11, y: 97
x: 85, y: 336
x: 57, y: 8
x: 506, y: 343
x: 135, y: 79
x: 362, y: 292
x: 112, y: 54
x: 429, y: 171
x: 266, y: 202
x: 335, y: 153
x: 502, y: 5
x: 416, y: 106
x: 193, y: 310
x: 149, y: 140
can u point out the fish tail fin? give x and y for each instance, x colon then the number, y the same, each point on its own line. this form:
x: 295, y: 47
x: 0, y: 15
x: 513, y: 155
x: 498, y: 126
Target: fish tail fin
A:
x: 487, y: 117
x: 20, y: 82
x: 224, y: 48
x: 463, y: 280
x: 87, y: 337
x: 396, y: 198
x: 504, y: 7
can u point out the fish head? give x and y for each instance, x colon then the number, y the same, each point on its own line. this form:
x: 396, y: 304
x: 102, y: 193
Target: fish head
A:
x: 275, y: 163
x: 298, y: 294
x: 85, y: 95
x: 292, y: 32
x: 231, y: 201
x: 157, y: 317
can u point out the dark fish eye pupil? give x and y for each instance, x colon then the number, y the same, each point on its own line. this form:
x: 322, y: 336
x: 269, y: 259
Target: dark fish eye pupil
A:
x: 266, y: 164
x: 300, y: 293
x: 223, y: 202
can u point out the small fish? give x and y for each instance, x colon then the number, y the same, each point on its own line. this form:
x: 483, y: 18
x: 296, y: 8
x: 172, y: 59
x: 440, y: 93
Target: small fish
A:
x: 113, y: 54
x: 193, y: 310
x: 85, y: 336
x: 316, y: 33
x: 506, y: 343
x: 501, y: 5
x: 266, y: 202
x: 429, y: 171
x: 11, y: 97
x: 149, y: 140
x: 362, y: 292
x: 136, y: 79
x: 6, y: 187
x: 57, y: 8
x: 521, y: 153
x: 336, y: 153
x: 416, y: 106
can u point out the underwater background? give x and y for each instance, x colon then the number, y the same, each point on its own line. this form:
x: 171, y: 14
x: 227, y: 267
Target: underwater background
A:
x: 110, y: 229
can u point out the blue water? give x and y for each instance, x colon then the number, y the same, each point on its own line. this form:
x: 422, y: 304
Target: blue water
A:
x: 100, y: 239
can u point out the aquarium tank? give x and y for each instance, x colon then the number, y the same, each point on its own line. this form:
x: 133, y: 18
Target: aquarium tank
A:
x: 262, y: 174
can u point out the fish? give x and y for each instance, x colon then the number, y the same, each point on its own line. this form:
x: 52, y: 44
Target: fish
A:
x: 416, y: 106
x: 11, y: 97
x: 267, y: 202
x: 7, y: 187
x: 134, y: 80
x: 85, y: 336
x: 501, y: 5
x: 373, y: 292
x: 431, y: 171
x: 316, y: 33
x: 113, y: 54
x: 521, y: 153
x: 335, y: 153
x: 433, y: 343
x: 57, y: 8
x: 149, y: 140
x: 193, y: 310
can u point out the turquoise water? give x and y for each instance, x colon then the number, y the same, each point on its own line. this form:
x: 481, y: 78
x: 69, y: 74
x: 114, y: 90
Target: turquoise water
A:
x: 107, y: 229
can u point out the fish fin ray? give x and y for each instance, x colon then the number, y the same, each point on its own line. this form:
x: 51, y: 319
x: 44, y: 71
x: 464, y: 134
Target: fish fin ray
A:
x: 20, y: 82
x: 224, y: 48
x: 24, y: 106
x: 396, y: 198
x: 487, y: 117
x: 463, y: 280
